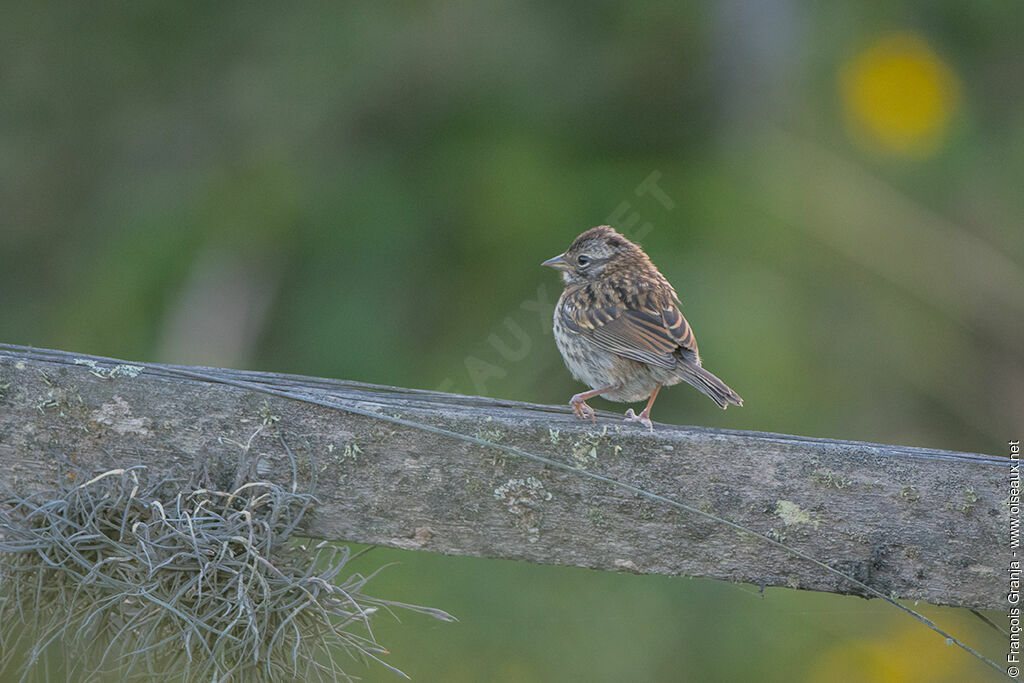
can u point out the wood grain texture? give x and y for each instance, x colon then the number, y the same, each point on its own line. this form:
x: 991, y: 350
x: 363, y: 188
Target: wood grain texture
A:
x: 913, y: 523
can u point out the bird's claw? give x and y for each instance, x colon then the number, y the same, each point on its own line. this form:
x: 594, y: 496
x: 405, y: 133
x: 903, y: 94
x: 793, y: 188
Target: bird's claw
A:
x: 581, y: 409
x: 642, y: 418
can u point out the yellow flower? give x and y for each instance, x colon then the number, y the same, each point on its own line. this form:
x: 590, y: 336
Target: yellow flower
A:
x: 909, y: 654
x: 898, y: 95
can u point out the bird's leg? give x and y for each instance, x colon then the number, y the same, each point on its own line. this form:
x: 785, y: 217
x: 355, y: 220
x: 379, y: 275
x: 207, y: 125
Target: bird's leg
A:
x: 644, y: 417
x: 579, y: 406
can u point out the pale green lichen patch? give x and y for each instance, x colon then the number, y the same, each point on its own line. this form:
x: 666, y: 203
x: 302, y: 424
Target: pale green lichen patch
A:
x: 266, y: 414
x: 970, y: 498
x: 589, y: 447
x: 122, y: 370
x: 910, y: 494
x: 352, y: 451
x: 530, y: 485
x: 492, y: 435
x: 522, y: 499
x: 64, y: 401
x: 583, y: 453
x: 791, y: 514
x: 828, y: 479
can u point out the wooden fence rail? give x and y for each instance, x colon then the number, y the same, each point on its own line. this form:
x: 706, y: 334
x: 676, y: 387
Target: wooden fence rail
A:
x: 911, y: 522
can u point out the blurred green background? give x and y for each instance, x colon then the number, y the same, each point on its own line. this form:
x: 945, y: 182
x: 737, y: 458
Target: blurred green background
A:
x: 366, y: 191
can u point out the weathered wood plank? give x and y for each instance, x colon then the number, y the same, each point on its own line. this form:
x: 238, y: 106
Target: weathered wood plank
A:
x: 911, y: 522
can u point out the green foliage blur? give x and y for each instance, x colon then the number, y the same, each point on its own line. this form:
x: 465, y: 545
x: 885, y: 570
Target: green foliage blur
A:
x: 367, y: 191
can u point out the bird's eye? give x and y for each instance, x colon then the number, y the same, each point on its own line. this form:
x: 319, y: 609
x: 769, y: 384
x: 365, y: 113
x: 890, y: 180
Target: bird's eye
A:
x: 583, y: 259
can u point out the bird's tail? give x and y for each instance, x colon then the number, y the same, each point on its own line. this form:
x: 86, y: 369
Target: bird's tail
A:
x: 710, y: 386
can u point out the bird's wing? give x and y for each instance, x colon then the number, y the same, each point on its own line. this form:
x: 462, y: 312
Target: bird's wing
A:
x: 649, y: 334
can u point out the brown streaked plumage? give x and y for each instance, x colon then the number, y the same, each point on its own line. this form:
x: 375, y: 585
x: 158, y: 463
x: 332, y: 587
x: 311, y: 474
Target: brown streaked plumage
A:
x: 619, y: 328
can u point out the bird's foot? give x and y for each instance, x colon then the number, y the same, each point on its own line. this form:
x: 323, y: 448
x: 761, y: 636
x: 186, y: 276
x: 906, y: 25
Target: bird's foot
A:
x: 643, y: 418
x: 580, y: 408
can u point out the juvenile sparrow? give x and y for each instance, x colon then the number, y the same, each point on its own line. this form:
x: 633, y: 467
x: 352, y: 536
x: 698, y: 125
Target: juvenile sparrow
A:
x: 619, y: 329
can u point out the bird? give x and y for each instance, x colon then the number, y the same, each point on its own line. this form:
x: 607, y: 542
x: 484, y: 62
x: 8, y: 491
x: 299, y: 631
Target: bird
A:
x: 619, y: 329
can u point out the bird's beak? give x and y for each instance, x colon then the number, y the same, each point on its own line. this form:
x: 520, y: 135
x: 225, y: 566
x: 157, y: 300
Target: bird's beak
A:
x: 557, y: 262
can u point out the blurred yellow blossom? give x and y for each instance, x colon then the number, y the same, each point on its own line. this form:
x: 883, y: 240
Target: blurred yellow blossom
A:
x: 898, y: 95
x: 910, y: 654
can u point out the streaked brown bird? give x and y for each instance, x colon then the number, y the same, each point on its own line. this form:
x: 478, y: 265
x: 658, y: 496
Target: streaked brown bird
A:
x: 619, y: 329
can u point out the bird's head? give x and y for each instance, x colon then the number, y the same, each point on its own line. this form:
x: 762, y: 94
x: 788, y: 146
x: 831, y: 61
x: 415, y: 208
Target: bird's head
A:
x: 595, y: 253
